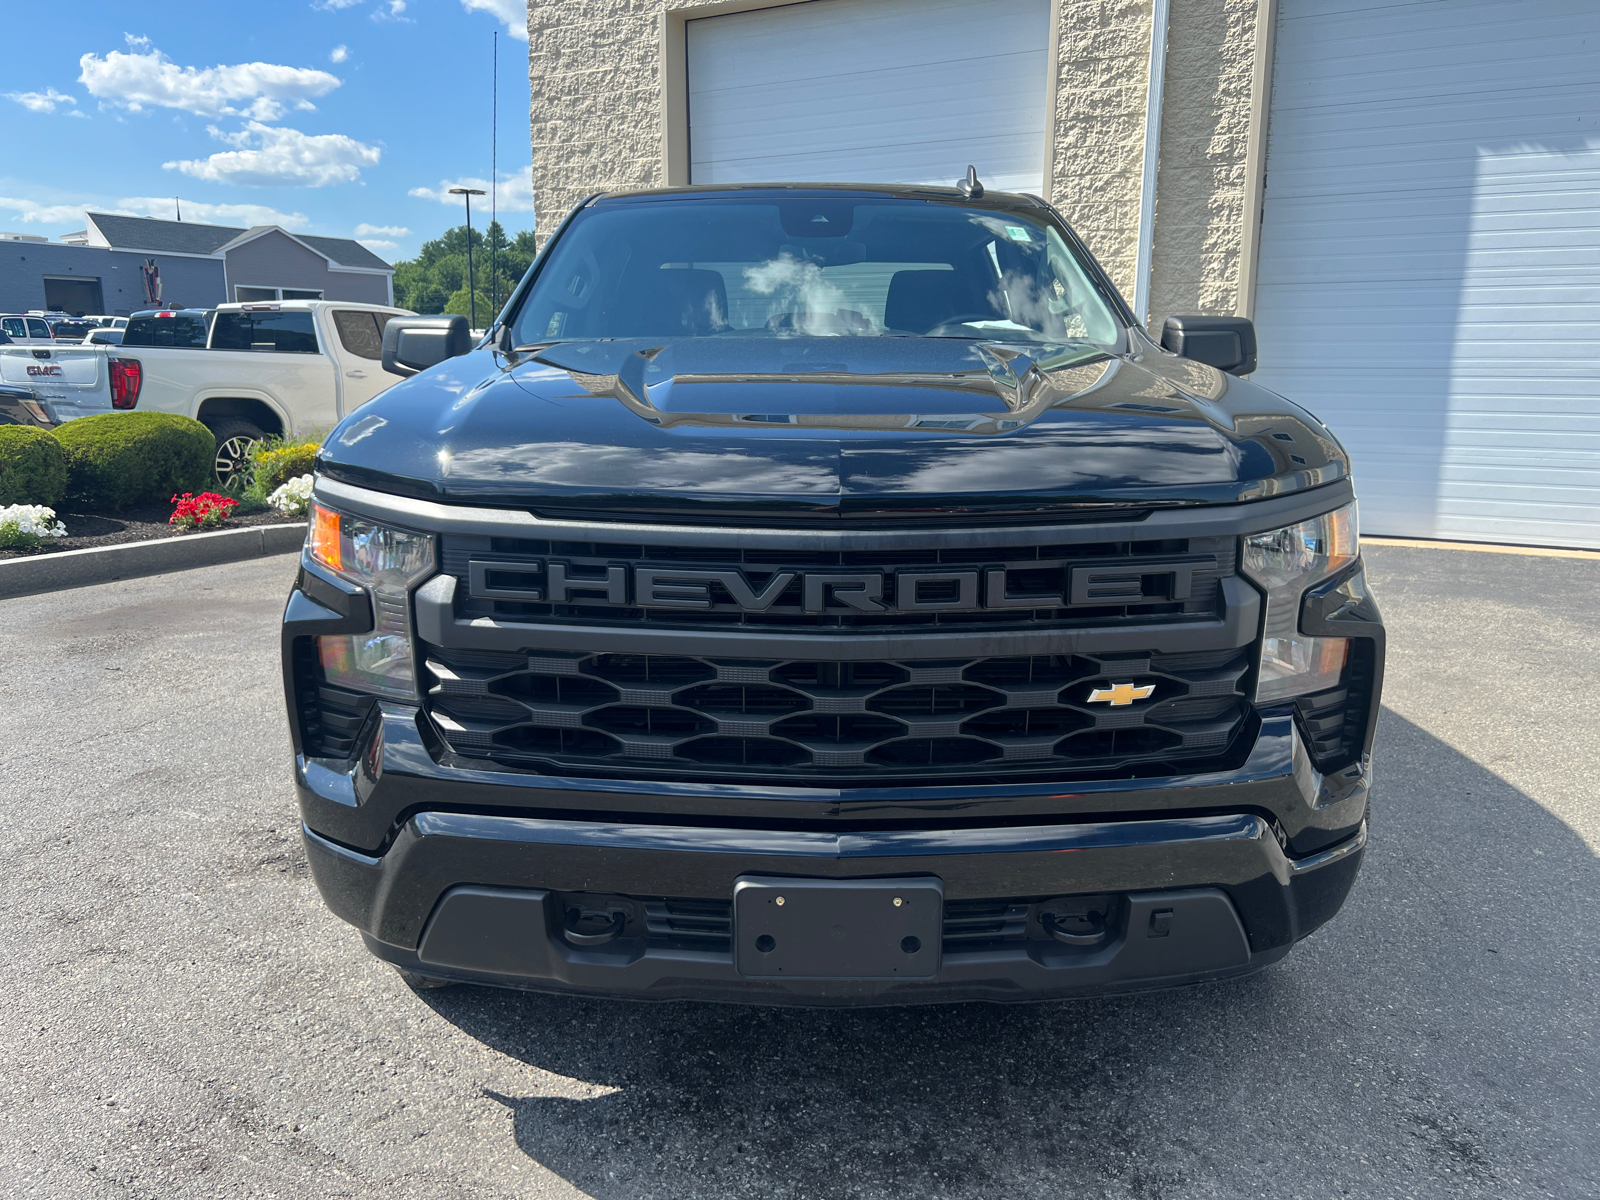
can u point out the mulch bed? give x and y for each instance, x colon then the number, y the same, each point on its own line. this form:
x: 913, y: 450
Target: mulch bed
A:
x: 86, y: 529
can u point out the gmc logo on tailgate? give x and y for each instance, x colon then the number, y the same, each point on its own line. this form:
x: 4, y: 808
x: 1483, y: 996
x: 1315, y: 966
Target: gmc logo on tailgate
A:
x: 35, y: 369
x: 915, y: 591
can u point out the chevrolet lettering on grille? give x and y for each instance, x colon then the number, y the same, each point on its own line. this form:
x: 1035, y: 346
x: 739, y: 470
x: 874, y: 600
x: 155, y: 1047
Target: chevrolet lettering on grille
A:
x: 910, y: 591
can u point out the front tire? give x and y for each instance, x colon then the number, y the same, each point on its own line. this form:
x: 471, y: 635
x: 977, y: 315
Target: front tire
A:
x: 235, y: 440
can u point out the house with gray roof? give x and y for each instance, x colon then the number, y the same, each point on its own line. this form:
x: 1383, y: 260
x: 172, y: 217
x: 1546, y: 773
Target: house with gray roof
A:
x: 116, y: 261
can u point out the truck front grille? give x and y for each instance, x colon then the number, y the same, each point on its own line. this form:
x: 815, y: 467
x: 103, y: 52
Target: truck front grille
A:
x: 509, y: 578
x: 831, y: 723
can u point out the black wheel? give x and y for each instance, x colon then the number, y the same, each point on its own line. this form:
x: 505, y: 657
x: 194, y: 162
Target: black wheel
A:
x: 422, y: 983
x: 234, y: 441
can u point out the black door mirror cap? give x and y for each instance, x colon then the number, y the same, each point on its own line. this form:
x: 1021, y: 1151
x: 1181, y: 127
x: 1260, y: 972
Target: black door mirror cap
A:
x: 1227, y: 343
x: 413, y: 344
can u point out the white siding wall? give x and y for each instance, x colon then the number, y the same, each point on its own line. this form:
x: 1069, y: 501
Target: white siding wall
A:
x: 1430, y: 262
x: 874, y: 91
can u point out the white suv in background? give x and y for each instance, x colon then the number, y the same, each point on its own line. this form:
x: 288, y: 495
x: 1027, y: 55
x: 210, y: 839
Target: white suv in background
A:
x: 27, y: 329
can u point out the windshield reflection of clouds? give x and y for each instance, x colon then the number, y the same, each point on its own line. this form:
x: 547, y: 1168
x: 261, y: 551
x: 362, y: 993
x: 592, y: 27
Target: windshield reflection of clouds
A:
x: 805, y: 302
x: 577, y: 464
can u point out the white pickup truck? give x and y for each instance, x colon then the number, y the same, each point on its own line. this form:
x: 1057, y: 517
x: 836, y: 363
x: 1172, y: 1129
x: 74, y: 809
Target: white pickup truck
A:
x: 247, y: 371
x: 67, y: 380
x: 266, y: 370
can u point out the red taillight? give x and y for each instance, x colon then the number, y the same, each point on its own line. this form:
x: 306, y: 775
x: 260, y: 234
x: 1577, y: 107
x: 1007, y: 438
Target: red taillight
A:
x: 126, y: 377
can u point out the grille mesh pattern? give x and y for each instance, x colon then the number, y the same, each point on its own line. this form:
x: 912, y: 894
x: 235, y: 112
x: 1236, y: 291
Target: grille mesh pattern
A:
x: 831, y: 721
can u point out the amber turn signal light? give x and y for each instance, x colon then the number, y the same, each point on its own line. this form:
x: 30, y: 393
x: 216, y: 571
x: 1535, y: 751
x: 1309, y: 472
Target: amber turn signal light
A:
x: 325, y: 543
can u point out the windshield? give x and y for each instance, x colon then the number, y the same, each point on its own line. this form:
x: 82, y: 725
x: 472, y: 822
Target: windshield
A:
x: 813, y: 266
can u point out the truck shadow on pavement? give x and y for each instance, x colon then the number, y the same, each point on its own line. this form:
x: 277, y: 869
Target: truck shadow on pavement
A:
x: 1433, y: 1033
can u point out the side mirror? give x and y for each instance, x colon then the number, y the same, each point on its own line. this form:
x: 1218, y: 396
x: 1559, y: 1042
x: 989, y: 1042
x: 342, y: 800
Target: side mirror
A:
x: 412, y: 344
x: 1227, y: 343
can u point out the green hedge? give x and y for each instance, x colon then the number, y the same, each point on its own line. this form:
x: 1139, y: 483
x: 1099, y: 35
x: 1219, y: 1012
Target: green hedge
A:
x: 119, y: 460
x: 33, y: 467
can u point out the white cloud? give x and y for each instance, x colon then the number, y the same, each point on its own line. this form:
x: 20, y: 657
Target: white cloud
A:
x: 214, y: 214
x: 365, y: 230
x: 378, y: 244
x: 514, y: 13
x: 266, y: 155
x: 339, y: 54
x: 335, y: 5
x: 146, y: 78
x: 46, y: 101
x: 515, y: 193
x: 394, y: 10
x: 33, y: 212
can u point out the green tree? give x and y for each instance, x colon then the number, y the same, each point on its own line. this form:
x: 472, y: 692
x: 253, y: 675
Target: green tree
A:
x: 461, y: 302
x: 436, y: 280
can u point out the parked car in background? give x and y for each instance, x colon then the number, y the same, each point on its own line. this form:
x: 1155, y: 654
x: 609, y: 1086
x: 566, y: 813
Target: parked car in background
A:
x: 104, y: 337
x: 108, y: 322
x: 176, y: 328
x: 26, y: 329
x: 72, y: 330
x: 21, y: 406
x: 253, y: 371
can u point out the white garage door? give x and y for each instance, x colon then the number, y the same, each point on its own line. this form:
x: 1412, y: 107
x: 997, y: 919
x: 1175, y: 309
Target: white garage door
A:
x: 871, y: 91
x: 1430, y: 262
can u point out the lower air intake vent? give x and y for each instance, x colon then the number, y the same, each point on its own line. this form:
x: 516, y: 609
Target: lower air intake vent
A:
x: 331, y: 718
x: 797, y: 721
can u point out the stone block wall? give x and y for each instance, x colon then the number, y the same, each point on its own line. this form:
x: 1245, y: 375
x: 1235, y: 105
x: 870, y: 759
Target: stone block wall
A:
x: 1201, y: 184
x: 1103, y: 69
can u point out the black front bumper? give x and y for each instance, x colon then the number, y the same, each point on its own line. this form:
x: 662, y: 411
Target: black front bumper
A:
x: 473, y: 870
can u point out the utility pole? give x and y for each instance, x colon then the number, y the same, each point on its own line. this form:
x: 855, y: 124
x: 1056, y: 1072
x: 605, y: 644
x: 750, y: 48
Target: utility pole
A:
x: 472, y: 283
x: 494, y: 175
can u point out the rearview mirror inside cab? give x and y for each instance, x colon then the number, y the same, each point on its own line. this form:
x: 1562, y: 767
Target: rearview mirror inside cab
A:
x: 412, y: 344
x: 1227, y: 343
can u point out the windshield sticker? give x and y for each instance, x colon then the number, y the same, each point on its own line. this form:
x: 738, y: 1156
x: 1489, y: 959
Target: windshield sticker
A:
x: 1017, y: 233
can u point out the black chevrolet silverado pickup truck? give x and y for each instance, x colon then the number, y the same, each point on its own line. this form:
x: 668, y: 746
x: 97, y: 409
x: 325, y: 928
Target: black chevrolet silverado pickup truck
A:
x: 830, y: 595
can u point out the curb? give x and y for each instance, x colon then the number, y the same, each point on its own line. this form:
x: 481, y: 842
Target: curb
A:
x: 106, y: 564
x: 1483, y: 547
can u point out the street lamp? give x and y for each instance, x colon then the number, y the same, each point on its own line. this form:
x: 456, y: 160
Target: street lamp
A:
x: 472, y: 283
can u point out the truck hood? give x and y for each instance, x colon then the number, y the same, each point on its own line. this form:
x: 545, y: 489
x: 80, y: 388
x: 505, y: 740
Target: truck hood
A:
x: 807, y: 429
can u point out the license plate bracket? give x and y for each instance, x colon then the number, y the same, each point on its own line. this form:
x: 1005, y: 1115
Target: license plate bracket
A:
x: 837, y: 928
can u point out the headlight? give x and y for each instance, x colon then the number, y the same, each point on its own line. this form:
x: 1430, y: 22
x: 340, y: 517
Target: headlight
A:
x: 388, y: 562
x: 1286, y: 562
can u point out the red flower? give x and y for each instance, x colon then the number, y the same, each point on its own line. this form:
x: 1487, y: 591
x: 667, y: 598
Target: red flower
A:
x: 207, y: 510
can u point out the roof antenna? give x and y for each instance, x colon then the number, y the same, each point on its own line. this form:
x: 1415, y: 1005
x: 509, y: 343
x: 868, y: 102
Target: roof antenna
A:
x: 179, y: 206
x: 970, y: 187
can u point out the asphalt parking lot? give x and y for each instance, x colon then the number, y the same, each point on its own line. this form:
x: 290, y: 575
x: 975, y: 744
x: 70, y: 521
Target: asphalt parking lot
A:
x: 183, y: 1018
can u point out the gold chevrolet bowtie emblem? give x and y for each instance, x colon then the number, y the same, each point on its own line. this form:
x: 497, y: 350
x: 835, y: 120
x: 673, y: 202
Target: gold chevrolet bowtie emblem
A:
x: 1118, y: 695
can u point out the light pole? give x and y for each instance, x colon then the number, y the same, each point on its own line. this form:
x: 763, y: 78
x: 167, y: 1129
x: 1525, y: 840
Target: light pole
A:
x: 472, y: 283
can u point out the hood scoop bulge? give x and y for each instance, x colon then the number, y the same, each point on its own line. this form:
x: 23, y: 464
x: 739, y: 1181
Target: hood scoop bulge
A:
x: 991, y: 389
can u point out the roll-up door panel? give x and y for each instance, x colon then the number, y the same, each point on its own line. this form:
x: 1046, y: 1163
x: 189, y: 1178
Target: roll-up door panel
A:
x: 1429, y: 278
x: 871, y: 91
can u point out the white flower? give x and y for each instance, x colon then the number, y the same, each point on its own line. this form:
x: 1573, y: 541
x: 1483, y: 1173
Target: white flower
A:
x: 293, y: 498
x: 35, y: 520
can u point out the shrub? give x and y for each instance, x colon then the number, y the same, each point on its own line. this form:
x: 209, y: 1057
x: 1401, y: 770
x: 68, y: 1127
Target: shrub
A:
x: 28, y: 526
x: 275, y: 463
x: 118, y: 460
x: 33, y: 467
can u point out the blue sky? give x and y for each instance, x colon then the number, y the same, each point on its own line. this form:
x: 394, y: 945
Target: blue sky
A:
x: 347, y: 118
